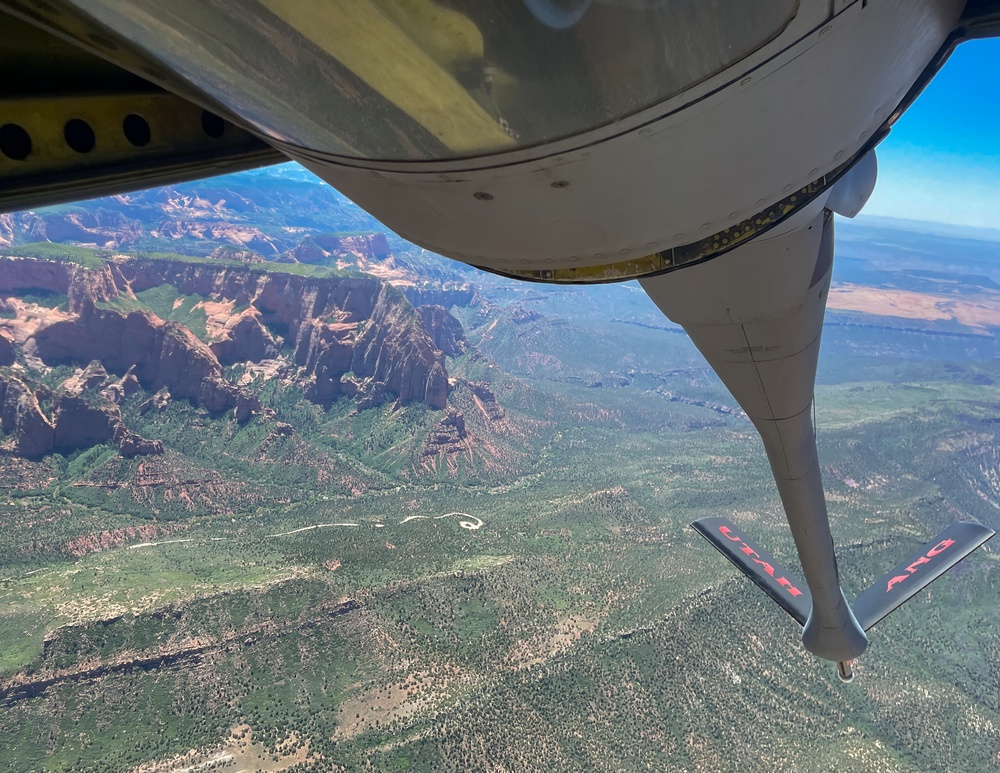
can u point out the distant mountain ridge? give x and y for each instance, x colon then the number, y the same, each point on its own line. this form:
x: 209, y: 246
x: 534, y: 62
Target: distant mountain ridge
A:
x: 196, y: 216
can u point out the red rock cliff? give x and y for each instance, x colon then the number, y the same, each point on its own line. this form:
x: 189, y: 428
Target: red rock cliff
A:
x: 348, y: 336
x: 159, y: 354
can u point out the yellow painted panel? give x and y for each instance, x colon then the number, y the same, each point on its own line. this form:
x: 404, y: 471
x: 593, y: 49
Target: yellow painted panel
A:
x: 365, y: 40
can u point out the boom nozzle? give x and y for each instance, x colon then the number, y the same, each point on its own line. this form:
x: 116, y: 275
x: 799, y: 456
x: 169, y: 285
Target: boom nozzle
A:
x: 845, y: 670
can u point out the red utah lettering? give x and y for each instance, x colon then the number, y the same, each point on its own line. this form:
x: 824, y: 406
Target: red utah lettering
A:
x: 785, y: 583
x: 728, y: 534
x: 765, y: 566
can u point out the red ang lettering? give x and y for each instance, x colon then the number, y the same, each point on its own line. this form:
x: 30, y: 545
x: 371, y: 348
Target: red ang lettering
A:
x: 913, y: 567
x: 942, y: 546
x: 784, y: 582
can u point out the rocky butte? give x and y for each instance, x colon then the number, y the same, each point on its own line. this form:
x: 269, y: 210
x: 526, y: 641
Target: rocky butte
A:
x: 351, y: 336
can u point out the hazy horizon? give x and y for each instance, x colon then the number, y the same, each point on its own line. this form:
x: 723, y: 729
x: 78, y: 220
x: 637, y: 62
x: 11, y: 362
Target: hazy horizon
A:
x: 941, y: 162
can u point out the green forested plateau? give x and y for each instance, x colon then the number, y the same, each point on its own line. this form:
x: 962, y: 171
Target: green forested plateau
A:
x: 306, y: 593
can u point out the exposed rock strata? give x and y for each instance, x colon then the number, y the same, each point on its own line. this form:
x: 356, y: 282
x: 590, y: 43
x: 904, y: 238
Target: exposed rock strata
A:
x: 82, y: 416
x: 282, y: 208
x: 8, y: 354
x: 123, y: 389
x: 100, y: 228
x: 334, y: 327
x: 157, y: 402
x: 395, y: 350
x: 355, y: 337
x: 82, y: 285
x: 158, y: 354
x: 119, y: 222
x: 447, y: 332
x: 26, y: 274
x: 86, y: 413
x: 325, y: 249
x: 9, y: 230
x: 21, y: 416
x: 447, y: 295
x: 486, y: 401
x: 80, y: 423
x: 448, y: 436
x: 235, y: 254
x: 246, y: 339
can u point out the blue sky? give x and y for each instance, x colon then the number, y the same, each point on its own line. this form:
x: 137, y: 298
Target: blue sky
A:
x: 941, y: 162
